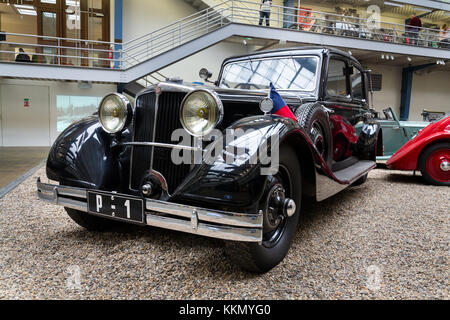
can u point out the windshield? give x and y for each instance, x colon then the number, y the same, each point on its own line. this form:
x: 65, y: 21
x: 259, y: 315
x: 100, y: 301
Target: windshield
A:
x: 293, y: 73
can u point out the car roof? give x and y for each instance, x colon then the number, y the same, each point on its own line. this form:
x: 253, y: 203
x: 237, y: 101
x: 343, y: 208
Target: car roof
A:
x: 292, y: 51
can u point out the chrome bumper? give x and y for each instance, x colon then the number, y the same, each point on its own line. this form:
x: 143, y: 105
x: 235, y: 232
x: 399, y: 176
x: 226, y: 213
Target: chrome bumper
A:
x: 204, y: 222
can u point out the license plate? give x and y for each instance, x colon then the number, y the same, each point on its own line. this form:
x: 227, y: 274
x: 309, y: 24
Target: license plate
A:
x: 116, y: 206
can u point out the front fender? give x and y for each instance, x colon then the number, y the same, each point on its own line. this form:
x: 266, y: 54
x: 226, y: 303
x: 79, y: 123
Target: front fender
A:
x: 82, y: 156
x: 236, y: 184
x: 407, y: 158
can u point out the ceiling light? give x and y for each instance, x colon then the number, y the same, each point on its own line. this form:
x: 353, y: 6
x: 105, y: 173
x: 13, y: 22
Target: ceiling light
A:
x: 25, y: 10
x: 393, y: 4
x: 409, y: 59
x: 422, y: 9
x: 72, y: 3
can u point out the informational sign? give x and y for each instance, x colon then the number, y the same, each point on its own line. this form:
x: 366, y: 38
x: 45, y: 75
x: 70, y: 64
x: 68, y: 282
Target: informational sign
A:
x: 26, y: 102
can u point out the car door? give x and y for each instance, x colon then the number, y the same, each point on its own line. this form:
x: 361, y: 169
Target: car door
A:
x: 358, y: 91
x: 337, y: 92
x: 338, y: 98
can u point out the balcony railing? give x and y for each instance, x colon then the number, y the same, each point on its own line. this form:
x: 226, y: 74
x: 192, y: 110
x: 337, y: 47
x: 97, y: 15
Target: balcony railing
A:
x: 99, y: 54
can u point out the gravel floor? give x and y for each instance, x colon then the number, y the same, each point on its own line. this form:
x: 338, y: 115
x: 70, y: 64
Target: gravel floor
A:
x: 388, y: 238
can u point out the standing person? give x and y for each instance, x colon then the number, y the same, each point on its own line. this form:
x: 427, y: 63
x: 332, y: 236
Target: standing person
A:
x: 414, y: 27
x: 22, y: 56
x: 265, y: 12
x: 443, y: 37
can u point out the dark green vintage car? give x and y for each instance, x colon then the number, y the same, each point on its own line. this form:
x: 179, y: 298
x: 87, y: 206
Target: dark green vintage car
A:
x: 395, y: 132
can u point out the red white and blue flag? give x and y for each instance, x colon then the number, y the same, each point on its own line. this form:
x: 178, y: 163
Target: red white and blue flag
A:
x: 280, y: 107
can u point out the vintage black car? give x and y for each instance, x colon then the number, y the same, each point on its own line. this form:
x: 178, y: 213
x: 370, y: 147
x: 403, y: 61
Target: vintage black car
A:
x: 117, y: 165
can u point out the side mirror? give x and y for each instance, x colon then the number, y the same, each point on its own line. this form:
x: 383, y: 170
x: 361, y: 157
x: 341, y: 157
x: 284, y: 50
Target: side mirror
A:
x: 205, y: 74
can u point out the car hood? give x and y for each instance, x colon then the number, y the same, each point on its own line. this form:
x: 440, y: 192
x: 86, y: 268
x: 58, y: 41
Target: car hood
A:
x: 225, y: 94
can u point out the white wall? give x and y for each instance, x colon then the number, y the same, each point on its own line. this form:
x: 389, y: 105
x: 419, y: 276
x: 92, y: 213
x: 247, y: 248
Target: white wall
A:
x: 59, y: 88
x: 27, y: 108
x: 431, y: 91
x: 142, y: 16
x: 390, y: 95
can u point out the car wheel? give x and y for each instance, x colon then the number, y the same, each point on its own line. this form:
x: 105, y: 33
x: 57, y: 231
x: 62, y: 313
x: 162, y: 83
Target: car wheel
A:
x: 434, y: 163
x: 90, y: 222
x: 278, y: 228
x: 313, y: 118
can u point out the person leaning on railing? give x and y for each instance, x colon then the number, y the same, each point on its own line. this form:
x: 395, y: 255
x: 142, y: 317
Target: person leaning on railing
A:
x: 264, y: 12
x: 413, y: 29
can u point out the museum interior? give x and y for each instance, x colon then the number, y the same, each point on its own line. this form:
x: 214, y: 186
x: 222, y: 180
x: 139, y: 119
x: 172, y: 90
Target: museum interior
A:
x: 58, y: 58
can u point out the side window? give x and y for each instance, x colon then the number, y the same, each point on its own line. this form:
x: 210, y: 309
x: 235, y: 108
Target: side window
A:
x: 357, y: 82
x: 336, y: 81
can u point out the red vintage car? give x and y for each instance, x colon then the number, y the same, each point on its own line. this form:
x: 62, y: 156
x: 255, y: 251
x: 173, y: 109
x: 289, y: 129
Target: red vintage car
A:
x: 428, y: 152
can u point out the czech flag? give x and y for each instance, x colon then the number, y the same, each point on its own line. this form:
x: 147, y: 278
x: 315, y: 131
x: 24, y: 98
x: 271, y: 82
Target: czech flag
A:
x: 280, y: 107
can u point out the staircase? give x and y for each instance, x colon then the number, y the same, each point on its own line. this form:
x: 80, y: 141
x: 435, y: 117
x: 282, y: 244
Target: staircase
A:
x: 133, y: 88
x: 139, y: 60
x: 199, y: 5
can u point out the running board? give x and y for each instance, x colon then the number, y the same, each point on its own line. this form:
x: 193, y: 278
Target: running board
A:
x: 327, y: 186
x: 355, y: 171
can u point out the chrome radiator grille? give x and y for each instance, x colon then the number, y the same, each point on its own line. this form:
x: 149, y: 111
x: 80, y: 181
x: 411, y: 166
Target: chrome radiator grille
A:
x: 144, y: 121
x: 168, y: 120
x: 147, y: 128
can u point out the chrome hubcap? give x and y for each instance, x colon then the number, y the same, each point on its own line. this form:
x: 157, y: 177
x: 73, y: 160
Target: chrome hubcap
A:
x: 445, y: 166
x: 290, y: 207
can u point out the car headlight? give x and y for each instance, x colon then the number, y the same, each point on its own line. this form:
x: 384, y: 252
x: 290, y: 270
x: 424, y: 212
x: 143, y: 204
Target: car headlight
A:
x: 201, y: 111
x: 114, y: 112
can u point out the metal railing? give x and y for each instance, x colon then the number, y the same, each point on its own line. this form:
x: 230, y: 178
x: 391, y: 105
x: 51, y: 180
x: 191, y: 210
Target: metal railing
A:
x: 100, y: 54
x: 59, y: 51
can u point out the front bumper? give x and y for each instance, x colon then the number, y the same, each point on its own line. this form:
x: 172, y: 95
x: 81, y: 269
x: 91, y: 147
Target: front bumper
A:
x: 204, y: 222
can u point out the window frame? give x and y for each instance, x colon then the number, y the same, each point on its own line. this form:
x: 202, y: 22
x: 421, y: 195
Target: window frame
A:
x: 317, y: 75
x: 363, y: 84
x: 348, y: 96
